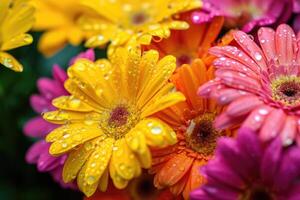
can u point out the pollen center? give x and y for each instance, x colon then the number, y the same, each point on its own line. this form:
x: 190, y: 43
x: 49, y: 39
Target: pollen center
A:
x: 287, y: 90
x: 257, y: 192
x: 119, y: 121
x: 201, y: 134
x: 139, y: 18
x: 183, y: 59
x: 118, y: 116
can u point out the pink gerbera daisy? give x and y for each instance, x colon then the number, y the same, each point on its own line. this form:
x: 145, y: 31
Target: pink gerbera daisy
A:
x: 260, y: 84
x: 249, y: 14
x: 38, y: 128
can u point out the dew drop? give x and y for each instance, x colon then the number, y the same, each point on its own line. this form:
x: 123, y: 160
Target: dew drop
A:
x: 64, y: 145
x: 156, y: 130
x: 258, y: 56
x: 90, y: 180
x: 74, y: 103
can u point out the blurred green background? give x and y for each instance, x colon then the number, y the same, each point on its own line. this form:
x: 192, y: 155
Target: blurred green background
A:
x: 19, y: 180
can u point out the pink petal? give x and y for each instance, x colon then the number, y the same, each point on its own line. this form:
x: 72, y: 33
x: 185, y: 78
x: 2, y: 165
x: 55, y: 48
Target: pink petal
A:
x: 285, y: 41
x: 37, y: 127
x: 238, y: 80
x: 59, y: 74
x: 289, y: 130
x: 88, y: 54
x: 243, y: 106
x: 266, y: 38
x: 49, y: 88
x: 272, y: 125
x: 46, y: 162
x: 257, y: 117
x: 224, y: 121
x: 235, y: 54
x: 234, y: 65
x: 35, y: 150
x: 251, y: 48
x: 227, y: 95
x: 40, y: 104
x: 207, y: 88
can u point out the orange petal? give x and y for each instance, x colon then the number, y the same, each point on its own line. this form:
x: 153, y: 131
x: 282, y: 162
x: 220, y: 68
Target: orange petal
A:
x: 173, y: 170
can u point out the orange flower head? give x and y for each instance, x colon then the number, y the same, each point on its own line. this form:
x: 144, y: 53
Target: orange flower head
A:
x: 177, y: 167
x: 191, y: 43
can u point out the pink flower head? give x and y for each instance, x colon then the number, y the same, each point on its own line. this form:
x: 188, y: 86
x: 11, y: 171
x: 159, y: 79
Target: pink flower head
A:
x: 37, y: 127
x: 248, y: 14
x: 260, y: 85
x: 246, y: 169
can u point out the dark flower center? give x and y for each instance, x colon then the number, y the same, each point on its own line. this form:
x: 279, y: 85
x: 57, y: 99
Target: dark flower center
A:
x: 139, y: 18
x: 287, y: 90
x: 183, y: 59
x: 143, y: 188
x: 118, y: 116
x: 257, y: 193
x: 201, y: 134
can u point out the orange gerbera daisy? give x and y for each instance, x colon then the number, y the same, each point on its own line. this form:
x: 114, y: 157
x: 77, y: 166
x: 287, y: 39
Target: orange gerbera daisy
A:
x: 192, y: 43
x: 177, y: 167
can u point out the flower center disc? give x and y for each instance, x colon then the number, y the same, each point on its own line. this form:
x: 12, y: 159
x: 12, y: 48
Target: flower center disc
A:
x: 139, y: 18
x: 119, y: 121
x: 201, y: 134
x: 287, y: 90
x: 183, y: 59
x: 257, y: 193
x: 118, y: 116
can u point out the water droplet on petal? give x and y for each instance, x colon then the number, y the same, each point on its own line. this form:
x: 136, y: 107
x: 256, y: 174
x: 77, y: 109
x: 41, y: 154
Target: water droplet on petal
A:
x: 258, y: 56
x: 156, y: 130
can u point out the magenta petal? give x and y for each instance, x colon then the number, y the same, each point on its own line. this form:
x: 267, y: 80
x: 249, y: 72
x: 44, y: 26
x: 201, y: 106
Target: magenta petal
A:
x: 89, y: 54
x: 40, y: 104
x: 34, y: 151
x: 49, y: 88
x: 289, y: 169
x: 38, y: 127
x: 271, y: 161
x: 220, y: 193
x: 46, y: 162
x: 59, y: 74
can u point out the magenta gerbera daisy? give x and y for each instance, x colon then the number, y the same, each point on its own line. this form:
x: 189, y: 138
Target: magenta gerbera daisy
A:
x: 38, y: 128
x: 248, y: 14
x: 260, y: 84
x: 246, y: 169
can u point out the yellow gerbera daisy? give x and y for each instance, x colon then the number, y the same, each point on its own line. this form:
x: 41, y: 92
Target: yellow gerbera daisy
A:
x: 123, y: 22
x: 59, y: 21
x: 106, y: 122
x: 16, y: 18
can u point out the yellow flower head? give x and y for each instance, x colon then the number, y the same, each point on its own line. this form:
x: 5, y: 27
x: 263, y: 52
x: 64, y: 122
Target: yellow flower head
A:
x: 16, y: 18
x: 59, y: 21
x: 106, y: 124
x: 123, y: 22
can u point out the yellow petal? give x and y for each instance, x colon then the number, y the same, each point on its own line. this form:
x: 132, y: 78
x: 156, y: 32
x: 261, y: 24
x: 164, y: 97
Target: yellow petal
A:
x: 160, y: 75
x: 65, y: 116
x: 52, y: 41
x: 166, y: 97
x: 103, y: 182
x: 157, y: 133
x: 92, y: 83
x: 71, y: 103
x: 137, y: 143
x: 75, y: 135
x: 93, y: 169
x: 18, y: 41
x: 76, y: 160
x: 124, y: 160
x: 144, y: 39
x: 10, y: 62
x: 96, y: 41
x: 118, y: 181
